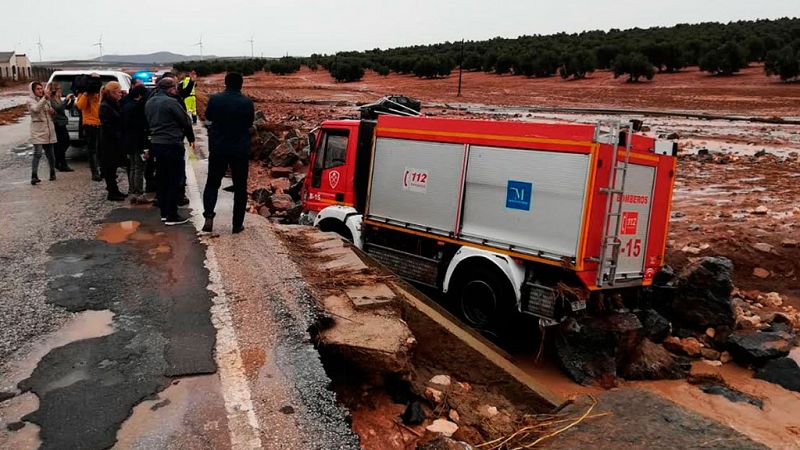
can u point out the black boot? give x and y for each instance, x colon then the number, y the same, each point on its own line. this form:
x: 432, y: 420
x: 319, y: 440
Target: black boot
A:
x: 52, y: 174
x: 208, y: 227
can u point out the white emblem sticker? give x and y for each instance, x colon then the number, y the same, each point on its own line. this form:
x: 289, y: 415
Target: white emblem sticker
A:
x: 333, y: 178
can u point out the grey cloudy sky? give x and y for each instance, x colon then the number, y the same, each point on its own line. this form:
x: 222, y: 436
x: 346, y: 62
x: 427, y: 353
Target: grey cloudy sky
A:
x: 300, y: 27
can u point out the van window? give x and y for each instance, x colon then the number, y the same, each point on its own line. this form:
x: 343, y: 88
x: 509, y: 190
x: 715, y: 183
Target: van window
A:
x: 66, y: 82
x: 332, y: 151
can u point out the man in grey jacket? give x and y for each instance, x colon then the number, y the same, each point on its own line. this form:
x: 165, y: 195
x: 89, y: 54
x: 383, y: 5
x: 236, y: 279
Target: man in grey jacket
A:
x: 169, y: 125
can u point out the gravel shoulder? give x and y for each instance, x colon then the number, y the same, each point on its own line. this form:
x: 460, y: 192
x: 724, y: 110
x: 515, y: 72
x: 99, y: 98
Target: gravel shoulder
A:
x: 31, y: 219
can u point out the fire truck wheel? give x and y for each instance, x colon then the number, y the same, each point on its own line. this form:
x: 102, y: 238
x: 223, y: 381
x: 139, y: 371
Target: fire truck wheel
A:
x: 484, y: 298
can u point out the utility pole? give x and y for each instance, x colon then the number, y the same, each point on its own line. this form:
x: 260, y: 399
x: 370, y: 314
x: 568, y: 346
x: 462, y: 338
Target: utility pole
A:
x: 460, y: 68
x: 251, y: 41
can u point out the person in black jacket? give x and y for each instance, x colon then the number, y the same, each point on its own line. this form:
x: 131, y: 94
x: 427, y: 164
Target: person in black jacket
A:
x: 231, y: 115
x: 111, y: 138
x: 134, y: 140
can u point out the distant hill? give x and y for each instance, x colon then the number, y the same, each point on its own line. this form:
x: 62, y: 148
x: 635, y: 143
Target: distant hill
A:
x: 152, y: 58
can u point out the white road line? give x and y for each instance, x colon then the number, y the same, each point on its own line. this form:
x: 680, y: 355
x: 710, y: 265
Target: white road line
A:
x: 243, y: 424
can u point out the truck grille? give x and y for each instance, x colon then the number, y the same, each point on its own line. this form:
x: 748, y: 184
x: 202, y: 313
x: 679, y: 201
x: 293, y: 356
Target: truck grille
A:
x: 413, y: 267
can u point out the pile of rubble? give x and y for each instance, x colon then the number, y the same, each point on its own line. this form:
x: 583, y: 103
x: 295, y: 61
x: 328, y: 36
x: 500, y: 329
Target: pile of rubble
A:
x: 278, y: 155
x: 697, y: 315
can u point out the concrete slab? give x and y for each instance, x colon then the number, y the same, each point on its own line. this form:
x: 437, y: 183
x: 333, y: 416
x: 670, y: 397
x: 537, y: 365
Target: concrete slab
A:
x: 378, y: 341
x: 370, y: 296
x: 343, y: 259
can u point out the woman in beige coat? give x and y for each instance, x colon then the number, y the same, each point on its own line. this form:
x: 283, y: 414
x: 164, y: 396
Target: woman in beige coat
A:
x: 43, y: 132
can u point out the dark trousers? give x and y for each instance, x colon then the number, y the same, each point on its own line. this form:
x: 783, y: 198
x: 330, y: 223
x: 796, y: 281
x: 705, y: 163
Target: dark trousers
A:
x: 218, y: 164
x: 150, y: 174
x: 61, y: 146
x: 169, y: 171
x: 110, y: 163
x: 92, y: 135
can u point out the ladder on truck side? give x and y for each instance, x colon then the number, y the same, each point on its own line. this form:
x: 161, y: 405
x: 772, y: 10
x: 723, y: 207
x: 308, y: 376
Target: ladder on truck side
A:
x: 608, y: 132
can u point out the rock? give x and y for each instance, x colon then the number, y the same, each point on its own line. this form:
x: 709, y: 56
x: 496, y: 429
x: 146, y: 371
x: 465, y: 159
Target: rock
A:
x: 782, y: 371
x: 691, y: 250
x: 488, y: 411
x: 760, y: 211
x: 5, y: 395
x: 763, y: 247
x: 453, y: 415
x: 710, y: 353
x: 771, y: 299
x: 761, y: 153
x: 264, y: 212
x: 758, y: 272
x: 673, y: 136
x: 295, y: 190
x: 283, y: 155
x: 279, y: 185
x: 747, y: 322
x: 789, y: 243
x: 725, y: 357
x: 595, y: 348
x: 262, y: 145
x: 261, y: 195
x: 655, y: 326
x: 781, y: 317
x: 434, y: 395
x: 757, y: 347
x: 703, y: 295
x: 281, y: 202
x: 15, y: 426
x: 691, y: 346
x: 710, y: 332
x: 712, y: 363
x: 653, y: 362
x: 281, y: 172
x: 414, y: 414
x: 444, y: 443
x: 440, y: 380
x: 443, y: 427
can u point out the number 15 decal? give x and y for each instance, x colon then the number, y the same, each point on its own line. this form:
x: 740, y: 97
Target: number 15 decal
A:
x: 633, y: 247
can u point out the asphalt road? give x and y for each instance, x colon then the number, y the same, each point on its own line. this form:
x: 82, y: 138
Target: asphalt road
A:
x: 119, y: 331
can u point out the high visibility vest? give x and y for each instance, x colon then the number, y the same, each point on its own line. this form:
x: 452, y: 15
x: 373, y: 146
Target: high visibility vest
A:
x: 186, y: 82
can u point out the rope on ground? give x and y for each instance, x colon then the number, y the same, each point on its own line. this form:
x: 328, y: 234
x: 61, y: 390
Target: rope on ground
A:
x: 544, y: 427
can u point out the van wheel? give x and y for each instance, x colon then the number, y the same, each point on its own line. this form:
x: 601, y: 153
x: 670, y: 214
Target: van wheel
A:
x: 484, y: 299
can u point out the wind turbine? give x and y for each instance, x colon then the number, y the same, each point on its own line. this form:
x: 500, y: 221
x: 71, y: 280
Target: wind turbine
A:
x: 251, y: 41
x: 99, y: 44
x: 200, y: 44
x: 40, y: 47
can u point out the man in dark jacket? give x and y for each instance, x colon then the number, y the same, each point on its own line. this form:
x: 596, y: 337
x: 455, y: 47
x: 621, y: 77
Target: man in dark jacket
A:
x: 231, y: 115
x: 169, y: 125
x: 134, y: 139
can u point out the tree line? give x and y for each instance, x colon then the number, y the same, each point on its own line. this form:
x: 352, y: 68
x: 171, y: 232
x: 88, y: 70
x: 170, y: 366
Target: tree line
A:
x: 716, y: 48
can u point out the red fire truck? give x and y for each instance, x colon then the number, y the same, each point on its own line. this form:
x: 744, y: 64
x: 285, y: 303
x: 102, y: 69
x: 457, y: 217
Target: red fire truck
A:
x: 505, y: 217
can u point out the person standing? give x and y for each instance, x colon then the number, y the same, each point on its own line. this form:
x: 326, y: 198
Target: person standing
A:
x: 89, y: 105
x: 110, y: 141
x: 231, y: 115
x: 134, y: 140
x: 169, y: 125
x: 187, y: 93
x: 43, y: 132
x: 60, y: 106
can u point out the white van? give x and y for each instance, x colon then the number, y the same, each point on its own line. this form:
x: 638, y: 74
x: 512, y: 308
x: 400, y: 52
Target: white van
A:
x: 65, y: 78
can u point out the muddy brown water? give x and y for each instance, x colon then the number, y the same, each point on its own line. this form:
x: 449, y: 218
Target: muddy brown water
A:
x: 777, y: 425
